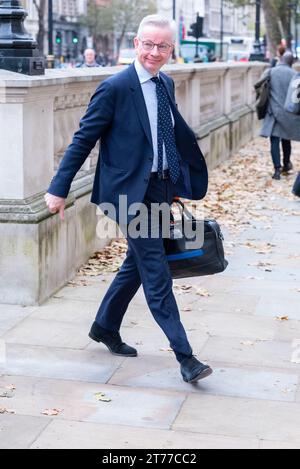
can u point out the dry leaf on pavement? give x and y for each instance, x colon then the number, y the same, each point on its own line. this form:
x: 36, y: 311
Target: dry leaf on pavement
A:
x: 203, y: 292
x: 247, y: 342
x: 51, y: 412
x: 3, y: 410
x: 100, y: 396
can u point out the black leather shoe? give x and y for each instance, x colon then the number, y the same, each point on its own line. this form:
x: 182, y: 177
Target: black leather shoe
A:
x: 192, y: 370
x: 112, y: 340
x: 287, y: 167
x: 276, y: 175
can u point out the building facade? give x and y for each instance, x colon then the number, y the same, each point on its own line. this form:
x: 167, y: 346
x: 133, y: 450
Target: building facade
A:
x: 236, y: 21
x: 227, y: 31
x: 70, y: 37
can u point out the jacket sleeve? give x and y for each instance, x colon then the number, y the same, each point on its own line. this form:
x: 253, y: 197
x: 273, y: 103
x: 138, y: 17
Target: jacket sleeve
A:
x: 92, y: 126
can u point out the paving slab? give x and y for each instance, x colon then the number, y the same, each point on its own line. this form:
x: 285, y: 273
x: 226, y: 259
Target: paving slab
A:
x: 226, y: 381
x: 95, y: 365
x: 248, y: 352
x: 48, y: 334
x: 10, y: 315
x: 20, y: 431
x: 77, y: 401
x: 66, y: 310
x: 280, y: 305
x: 72, y: 435
x: 246, y: 418
x: 224, y: 324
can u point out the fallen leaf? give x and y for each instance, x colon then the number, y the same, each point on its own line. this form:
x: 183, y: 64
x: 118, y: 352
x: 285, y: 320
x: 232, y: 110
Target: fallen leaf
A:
x: 183, y: 289
x: 100, y: 396
x: 51, y: 412
x: 11, y: 387
x: 3, y: 410
x: 282, y: 318
x: 203, y: 292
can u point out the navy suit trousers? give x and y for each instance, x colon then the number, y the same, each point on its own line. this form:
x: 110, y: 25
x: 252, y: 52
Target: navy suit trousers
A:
x: 146, y: 264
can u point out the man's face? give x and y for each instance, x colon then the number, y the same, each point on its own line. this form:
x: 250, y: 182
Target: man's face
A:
x: 153, y: 60
x: 89, y: 56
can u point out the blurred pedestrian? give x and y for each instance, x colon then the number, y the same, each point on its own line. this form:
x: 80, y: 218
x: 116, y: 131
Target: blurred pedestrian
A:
x: 89, y: 59
x: 281, y: 49
x: 211, y: 56
x: 280, y: 125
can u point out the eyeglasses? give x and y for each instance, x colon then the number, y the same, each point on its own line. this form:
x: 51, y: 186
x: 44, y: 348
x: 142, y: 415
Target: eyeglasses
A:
x: 149, y: 45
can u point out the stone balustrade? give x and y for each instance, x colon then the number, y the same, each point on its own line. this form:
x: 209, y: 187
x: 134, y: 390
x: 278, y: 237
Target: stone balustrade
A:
x: 38, y: 116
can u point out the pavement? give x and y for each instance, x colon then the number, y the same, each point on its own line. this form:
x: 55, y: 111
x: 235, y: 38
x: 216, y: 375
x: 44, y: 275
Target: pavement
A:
x: 61, y: 390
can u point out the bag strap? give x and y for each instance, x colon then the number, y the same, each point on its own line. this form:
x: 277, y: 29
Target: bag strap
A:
x: 184, y: 211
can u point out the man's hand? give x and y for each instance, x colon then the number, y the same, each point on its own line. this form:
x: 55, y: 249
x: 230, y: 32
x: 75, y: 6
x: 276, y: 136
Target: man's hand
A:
x: 55, y: 204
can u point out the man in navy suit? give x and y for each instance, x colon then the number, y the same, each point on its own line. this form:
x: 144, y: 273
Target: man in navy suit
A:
x: 150, y: 155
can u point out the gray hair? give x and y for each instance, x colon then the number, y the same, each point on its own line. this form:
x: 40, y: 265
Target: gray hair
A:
x: 158, y: 21
x: 287, y: 58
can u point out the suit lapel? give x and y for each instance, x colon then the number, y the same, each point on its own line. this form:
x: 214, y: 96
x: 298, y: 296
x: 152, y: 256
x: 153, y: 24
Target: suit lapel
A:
x: 139, y: 102
x: 167, y: 86
x: 170, y: 95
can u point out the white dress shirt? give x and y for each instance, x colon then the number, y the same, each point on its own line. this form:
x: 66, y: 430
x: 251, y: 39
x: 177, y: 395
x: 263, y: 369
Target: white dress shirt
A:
x: 149, y: 92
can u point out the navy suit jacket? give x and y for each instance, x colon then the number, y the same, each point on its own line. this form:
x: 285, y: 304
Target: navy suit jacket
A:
x: 118, y: 115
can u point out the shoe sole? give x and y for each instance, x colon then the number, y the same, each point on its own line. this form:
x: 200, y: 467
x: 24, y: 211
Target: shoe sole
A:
x: 201, y: 375
x: 91, y: 336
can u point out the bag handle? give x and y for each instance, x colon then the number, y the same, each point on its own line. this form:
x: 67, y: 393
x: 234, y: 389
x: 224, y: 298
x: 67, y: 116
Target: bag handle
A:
x: 184, y: 211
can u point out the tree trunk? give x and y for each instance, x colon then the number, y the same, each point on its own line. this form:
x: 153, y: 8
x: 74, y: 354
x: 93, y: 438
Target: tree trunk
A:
x: 41, y: 31
x: 275, y: 24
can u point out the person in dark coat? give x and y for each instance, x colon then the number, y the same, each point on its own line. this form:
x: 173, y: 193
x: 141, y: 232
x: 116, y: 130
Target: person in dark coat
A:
x: 280, y: 125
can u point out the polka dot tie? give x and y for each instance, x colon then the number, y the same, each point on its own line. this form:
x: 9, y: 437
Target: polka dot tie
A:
x: 165, y: 133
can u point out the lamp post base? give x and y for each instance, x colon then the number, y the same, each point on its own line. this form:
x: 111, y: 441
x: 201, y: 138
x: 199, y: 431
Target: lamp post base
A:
x: 26, y: 65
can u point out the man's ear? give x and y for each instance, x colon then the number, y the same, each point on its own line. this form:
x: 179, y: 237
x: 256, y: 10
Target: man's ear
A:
x: 136, y: 42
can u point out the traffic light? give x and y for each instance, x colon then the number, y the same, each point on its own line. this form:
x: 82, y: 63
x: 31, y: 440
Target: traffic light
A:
x: 58, y: 38
x: 74, y: 38
x: 197, y: 28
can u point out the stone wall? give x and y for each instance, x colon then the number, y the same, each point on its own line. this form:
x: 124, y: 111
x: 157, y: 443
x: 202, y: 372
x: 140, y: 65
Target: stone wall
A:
x: 38, y: 116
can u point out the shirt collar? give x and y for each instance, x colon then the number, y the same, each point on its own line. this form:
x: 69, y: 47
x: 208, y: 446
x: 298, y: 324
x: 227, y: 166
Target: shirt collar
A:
x: 142, y: 73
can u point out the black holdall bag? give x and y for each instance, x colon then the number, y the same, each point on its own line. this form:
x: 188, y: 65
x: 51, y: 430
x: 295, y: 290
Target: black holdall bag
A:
x: 296, y: 187
x: 262, y: 89
x: 185, y: 261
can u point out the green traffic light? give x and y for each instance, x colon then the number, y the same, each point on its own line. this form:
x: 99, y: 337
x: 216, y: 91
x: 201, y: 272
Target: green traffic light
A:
x: 75, y: 40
